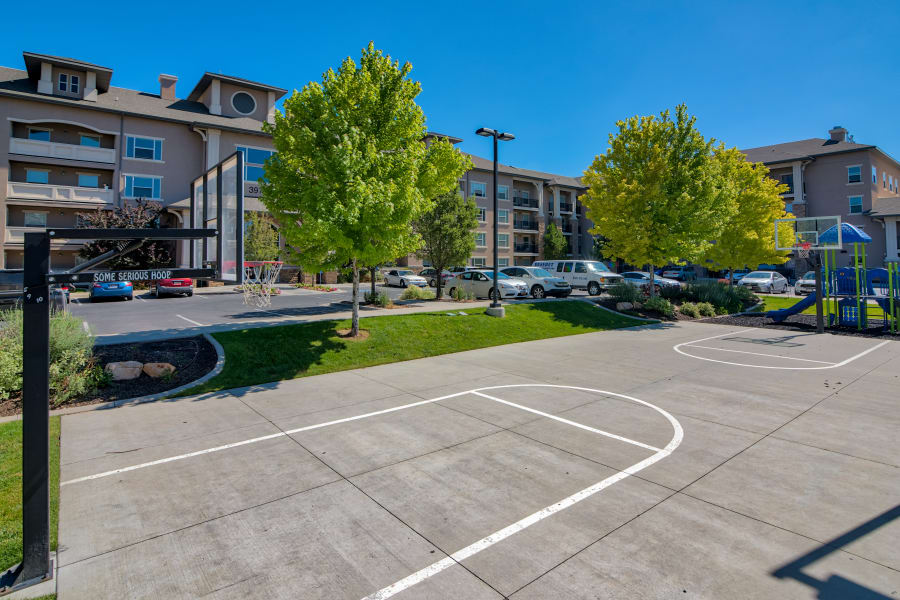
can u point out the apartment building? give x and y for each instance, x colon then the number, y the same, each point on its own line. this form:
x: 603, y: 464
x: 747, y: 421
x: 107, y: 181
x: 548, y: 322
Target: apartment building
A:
x: 838, y: 176
x: 77, y: 143
x: 527, y: 202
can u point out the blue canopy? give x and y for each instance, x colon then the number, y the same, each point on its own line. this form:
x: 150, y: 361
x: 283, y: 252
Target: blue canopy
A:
x: 849, y: 234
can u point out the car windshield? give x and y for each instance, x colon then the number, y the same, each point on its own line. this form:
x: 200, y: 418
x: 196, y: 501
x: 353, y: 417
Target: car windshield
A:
x: 540, y: 273
x: 759, y: 275
x: 597, y: 266
x: 809, y: 275
x: 404, y: 272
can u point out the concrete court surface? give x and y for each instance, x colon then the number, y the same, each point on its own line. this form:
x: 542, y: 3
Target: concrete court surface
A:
x: 663, y: 475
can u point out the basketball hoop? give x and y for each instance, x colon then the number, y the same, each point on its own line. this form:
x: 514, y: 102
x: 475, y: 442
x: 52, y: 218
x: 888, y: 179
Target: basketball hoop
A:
x: 259, y: 281
x: 803, y: 249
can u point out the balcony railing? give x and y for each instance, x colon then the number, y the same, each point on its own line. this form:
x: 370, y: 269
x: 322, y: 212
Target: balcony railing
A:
x: 520, y: 202
x: 564, y: 207
x: 58, y: 193
x: 16, y: 235
x: 525, y: 225
x: 526, y: 248
x: 58, y: 150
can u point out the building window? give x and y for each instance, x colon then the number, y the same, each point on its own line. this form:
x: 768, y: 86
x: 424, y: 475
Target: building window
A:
x: 75, y: 83
x: 874, y: 175
x: 254, y: 162
x: 480, y: 239
x: 503, y: 240
x: 503, y: 216
x: 502, y: 192
x: 143, y: 148
x: 63, y: 82
x: 855, y: 205
x: 891, y: 182
x: 482, y: 214
x: 140, y: 186
x: 88, y: 180
x: 243, y: 103
x: 478, y: 261
x: 884, y: 179
x: 41, y: 135
x: 37, y: 176
x: 35, y: 219
x: 89, y: 140
x: 502, y: 262
x: 854, y: 174
x: 788, y: 180
x: 477, y: 189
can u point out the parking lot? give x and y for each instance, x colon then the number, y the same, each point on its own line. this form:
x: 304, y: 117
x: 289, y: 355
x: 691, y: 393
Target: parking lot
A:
x: 656, y: 462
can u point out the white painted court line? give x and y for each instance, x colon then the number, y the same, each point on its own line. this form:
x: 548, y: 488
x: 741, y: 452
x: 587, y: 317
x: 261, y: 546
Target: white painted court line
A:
x: 678, y: 348
x: 140, y: 298
x: 823, y: 362
x: 568, y: 422
x: 191, y: 321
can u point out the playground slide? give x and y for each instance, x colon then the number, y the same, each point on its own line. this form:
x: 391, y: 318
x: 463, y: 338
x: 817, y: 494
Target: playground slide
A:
x: 781, y: 314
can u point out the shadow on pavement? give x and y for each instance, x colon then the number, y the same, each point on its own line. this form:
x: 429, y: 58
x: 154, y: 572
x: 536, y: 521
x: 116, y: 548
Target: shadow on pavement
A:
x: 837, y: 587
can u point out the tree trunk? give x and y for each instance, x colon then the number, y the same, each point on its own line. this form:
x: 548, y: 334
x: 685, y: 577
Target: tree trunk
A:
x: 354, y: 327
x: 372, y: 272
x: 731, y: 277
x: 652, y: 282
x: 439, y: 281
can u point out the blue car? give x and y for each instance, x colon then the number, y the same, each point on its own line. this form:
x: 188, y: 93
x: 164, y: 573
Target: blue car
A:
x: 112, y: 289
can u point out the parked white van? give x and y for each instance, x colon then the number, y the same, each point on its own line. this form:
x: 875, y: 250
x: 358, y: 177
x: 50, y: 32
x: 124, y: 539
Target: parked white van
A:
x: 590, y: 275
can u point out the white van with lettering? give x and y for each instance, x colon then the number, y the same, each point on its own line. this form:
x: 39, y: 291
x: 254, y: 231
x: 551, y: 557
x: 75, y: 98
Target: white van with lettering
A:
x: 590, y: 275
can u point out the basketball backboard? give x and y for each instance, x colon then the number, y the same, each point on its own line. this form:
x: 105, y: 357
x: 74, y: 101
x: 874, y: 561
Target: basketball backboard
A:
x: 820, y: 233
x: 217, y: 202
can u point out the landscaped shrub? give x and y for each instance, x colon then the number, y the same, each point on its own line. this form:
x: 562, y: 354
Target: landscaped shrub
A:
x: 660, y: 305
x: 415, y: 292
x: 706, y: 309
x: 672, y: 293
x: 689, y: 309
x: 73, y: 372
x: 461, y: 295
x: 724, y: 298
x: 625, y: 292
x: 378, y: 299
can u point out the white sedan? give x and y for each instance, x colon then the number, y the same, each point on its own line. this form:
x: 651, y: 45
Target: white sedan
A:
x: 481, y: 285
x: 641, y: 279
x: 767, y: 282
x: 403, y: 278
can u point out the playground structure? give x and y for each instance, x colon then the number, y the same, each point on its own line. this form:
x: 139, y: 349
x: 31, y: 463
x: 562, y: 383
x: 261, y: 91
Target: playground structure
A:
x: 849, y: 293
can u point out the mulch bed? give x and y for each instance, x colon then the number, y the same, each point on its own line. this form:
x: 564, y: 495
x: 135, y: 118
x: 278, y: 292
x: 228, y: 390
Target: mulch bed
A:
x: 802, y: 323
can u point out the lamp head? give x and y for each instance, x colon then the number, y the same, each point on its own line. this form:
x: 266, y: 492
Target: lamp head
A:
x: 505, y: 137
x: 485, y: 132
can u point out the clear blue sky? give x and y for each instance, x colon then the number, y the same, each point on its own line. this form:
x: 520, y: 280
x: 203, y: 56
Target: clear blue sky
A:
x: 556, y: 74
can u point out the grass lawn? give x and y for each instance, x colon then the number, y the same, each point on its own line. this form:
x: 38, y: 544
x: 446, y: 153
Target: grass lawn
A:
x: 263, y: 355
x: 777, y: 302
x: 11, y: 490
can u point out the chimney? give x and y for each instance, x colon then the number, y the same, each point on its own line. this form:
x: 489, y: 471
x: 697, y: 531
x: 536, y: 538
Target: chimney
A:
x: 167, y: 86
x: 838, y: 134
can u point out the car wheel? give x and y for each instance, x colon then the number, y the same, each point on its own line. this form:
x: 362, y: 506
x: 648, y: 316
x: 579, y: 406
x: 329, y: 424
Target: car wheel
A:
x: 403, y: 283
x: 432, y: 283
x: 538, y: 292
x: 493, y: 295
x: 593, y: 288
x: 452, y: 290
x: 189, y: 294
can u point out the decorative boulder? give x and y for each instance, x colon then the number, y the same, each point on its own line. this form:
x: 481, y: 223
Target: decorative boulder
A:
x: 123, y: 371
x: 156, y: 370
x: 624, y: 306
x: 637, y: 306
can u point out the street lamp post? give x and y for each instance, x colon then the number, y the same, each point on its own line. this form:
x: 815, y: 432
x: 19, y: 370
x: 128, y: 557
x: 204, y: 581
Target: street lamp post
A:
x: 495, y: 309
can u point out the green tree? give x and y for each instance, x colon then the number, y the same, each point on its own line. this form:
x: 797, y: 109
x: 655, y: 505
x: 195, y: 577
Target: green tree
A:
x: 351, y: 171
x: 141, y: 213
x: 748, y: 237
x: 261, y: 238
x: 555, y: 244
x: 652, y: 196
x: 447, y: 232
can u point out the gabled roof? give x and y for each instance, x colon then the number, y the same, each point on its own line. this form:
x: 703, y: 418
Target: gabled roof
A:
x: 253, y: 85
x: 799, y: 150
x: 15, y: 83
x: 549, y: 178
x: 33, y: 62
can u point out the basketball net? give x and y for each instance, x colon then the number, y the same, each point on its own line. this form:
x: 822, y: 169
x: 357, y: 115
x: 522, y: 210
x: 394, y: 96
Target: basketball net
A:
x: 803, y: 249
x: 259, y: 281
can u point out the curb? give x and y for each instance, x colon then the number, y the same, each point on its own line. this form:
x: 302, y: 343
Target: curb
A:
x: 615, y: 312
x: 220, y: 364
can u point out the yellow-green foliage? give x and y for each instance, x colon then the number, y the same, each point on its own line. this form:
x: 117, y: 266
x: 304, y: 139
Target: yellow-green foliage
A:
x: 415, y: 292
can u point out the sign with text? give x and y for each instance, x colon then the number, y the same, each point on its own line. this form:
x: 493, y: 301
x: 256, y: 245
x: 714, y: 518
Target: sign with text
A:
x: 132, y: 275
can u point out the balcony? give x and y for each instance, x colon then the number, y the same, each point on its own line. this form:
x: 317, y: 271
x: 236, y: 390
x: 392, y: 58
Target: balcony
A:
x: 16, y: 235
x: 526, y: 248
x: 565, y: 208
x: 49, y: 192
x: 526, y: 203
x: 568, y: 228
x: 58, y: 150
x: 525, y: 225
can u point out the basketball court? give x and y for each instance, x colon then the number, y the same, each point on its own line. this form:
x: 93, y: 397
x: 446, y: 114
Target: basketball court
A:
x: 599, y: 465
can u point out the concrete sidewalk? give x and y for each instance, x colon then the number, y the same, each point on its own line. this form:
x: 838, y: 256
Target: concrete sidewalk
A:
x: 400, y: 479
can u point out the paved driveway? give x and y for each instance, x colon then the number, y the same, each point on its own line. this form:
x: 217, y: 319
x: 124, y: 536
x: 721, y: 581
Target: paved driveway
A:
x: 605, y: 465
